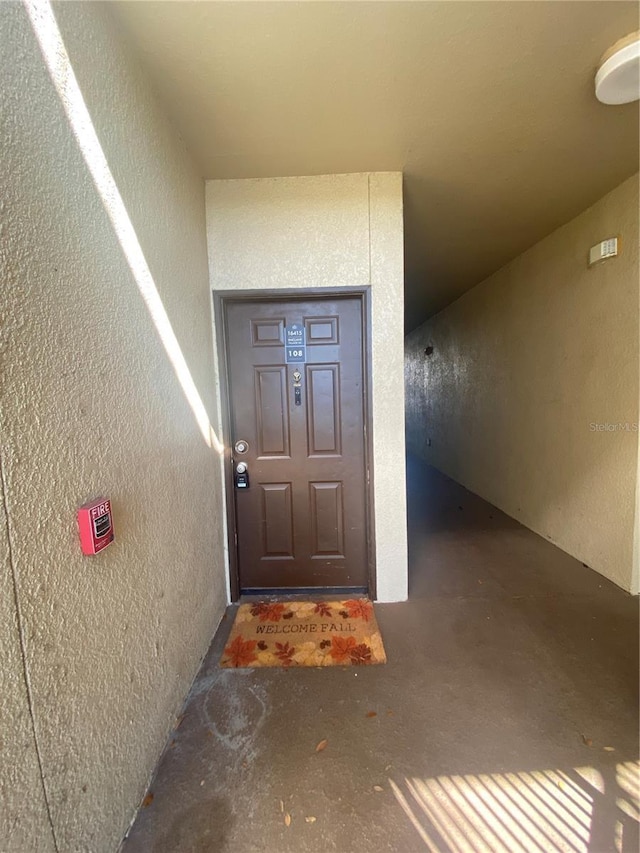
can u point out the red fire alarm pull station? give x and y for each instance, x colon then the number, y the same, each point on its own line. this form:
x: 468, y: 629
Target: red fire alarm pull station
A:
x: 95, y: 525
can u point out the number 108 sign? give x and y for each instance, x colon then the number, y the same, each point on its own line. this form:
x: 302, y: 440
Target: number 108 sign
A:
x: 295, y: 348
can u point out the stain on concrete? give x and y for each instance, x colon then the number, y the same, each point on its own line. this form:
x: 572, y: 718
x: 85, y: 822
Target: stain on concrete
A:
x: 203, y: 828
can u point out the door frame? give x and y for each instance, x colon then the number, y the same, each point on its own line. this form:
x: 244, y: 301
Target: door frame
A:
x: 221, y: 300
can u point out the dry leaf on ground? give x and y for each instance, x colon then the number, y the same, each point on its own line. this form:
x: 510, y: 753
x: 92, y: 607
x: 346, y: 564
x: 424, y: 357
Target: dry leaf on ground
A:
x: 372, y: 714
x: 322, y: 745
x: 587, y: 741
x: 378, y: 788
x: 287, y: 819
x: 147, y: 800
x: 310, y: 819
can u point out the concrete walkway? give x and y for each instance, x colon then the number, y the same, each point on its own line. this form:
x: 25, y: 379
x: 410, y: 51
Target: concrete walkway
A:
x: 505, y: 719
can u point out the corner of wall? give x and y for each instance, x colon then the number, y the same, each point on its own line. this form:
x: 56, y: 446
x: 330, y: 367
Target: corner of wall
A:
x: 387, y: 286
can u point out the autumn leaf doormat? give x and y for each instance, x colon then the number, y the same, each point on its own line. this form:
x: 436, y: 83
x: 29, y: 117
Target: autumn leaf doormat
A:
x: 304, y: 633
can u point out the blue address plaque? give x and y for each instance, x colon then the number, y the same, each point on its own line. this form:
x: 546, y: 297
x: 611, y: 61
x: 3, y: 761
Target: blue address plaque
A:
x: 295, y: 345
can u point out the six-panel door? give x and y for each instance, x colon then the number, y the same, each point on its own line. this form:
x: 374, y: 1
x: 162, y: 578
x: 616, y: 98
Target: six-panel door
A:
x: 301, y: 522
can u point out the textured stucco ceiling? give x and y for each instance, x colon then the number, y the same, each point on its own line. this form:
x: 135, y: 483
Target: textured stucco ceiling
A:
x: 487, y: 108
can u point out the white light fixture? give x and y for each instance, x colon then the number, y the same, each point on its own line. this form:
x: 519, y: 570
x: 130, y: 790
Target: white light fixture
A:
x: 618, y: 77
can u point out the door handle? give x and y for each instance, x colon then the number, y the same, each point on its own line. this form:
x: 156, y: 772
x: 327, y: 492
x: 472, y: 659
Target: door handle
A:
x: 242, y: 476
x: 297, y: 390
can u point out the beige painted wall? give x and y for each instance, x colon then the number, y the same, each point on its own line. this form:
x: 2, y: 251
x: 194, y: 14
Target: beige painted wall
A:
x: 329, y: 231
x: 24, y: 824
x: 91, y: 405
x: 523, y: 365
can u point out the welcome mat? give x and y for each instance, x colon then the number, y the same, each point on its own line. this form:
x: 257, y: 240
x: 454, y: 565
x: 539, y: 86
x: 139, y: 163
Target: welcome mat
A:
x: 304, y: 633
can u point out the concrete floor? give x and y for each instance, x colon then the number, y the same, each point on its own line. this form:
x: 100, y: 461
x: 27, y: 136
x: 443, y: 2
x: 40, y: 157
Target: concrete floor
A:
x: 506, y: 717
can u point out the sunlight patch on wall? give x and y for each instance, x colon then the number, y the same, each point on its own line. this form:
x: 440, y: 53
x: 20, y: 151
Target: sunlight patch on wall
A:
x: 58, y: 63
x: 526, y: 812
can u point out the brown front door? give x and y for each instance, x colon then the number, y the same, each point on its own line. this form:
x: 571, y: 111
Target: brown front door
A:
x: 296, y: 384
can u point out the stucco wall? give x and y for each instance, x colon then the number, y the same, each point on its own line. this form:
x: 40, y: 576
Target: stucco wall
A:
x: 91, y: 405
x: 24, y: 824
x: 329, y: 231
x: 523, y: 366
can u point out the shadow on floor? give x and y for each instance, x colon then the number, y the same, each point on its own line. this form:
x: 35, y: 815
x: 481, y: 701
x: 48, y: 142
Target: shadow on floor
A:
x: 506, y: 718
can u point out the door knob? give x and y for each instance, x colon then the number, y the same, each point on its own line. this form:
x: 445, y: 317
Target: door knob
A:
x: 241, y: 446
x: 242, y: 476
